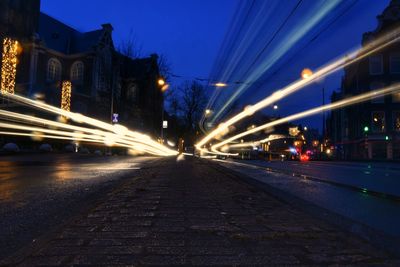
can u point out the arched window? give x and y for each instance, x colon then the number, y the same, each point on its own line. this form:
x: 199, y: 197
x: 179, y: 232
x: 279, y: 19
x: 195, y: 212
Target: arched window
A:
x: 53, y: 70
x: 77, y: 69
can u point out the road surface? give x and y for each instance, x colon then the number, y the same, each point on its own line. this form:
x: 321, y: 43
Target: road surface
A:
x: 340, y: 187
x: 38, y: 192
x: 192, y: 212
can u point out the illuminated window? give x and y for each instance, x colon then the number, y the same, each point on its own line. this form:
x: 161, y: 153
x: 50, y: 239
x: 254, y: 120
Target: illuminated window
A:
x: 396, y: 97
x: 395, y: 63
x: 77, y: 72
x: 378, y: 121
x: 375, y: 65
x: 375, y: 86
x: 53, y: 70
x: 396, y: 121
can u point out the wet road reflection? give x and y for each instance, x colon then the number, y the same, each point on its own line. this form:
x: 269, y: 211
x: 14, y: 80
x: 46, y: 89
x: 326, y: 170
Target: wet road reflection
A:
x: 37, y: 192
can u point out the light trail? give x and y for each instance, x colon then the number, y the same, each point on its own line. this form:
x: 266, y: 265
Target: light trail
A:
x: 355, y: 56
x: 143, y: 149
x: 63, y: 135
x: 49, y: 136
x: 312, y: 18
x: 332, y: 106
x: 252, y: 143
x: 117, y: 134
x: 96, y: 134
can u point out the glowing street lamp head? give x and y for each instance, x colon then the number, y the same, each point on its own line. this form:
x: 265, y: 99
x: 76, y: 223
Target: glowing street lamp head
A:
x: 306, y: 73
x: 220, y: 84
x: 161, y: 82
x: 275, y: 106
x: 164, y: 87
x: 207, y: 111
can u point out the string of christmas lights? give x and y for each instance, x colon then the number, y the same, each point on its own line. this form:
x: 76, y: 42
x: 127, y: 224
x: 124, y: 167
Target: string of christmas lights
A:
x: 66, y: 96
x: 9, y: 65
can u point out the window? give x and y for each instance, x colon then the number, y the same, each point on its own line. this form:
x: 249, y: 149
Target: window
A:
x: 77, y: 72
x: 53, y: 70
x: 396, y: 97
x: 375, y: 86
x: 395, y: 63
x: 378, y: 121
x: 132, y: 93
x: 396, y: 121
x: 375, y: 65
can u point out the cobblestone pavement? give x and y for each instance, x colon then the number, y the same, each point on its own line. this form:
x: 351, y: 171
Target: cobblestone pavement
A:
x: 191, y: 213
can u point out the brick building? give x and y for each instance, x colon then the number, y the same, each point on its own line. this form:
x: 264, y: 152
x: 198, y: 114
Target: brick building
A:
x: 370, y: 130
x: 103, y: 80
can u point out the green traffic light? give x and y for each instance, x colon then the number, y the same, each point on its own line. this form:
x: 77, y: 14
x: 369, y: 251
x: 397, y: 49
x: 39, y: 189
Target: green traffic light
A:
x: 366, y: 129
x: 386, y: 137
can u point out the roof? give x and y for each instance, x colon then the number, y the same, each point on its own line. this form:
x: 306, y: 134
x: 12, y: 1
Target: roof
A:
x: 139, y: 68
x: 65, y: 39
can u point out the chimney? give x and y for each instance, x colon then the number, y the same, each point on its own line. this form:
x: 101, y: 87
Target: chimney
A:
x: 107, y: 27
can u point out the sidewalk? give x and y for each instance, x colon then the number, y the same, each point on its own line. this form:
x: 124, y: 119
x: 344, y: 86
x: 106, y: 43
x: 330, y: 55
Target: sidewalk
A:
x: 191, y: 213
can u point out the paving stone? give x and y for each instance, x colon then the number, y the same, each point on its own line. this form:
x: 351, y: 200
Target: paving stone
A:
x: 190, y: 213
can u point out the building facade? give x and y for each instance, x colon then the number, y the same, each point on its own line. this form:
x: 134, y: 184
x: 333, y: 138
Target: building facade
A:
x: 370, y: 130
x: 103, y: 80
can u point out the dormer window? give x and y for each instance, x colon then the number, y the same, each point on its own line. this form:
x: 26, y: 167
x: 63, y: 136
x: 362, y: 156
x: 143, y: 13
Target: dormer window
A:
x: 375, y: 65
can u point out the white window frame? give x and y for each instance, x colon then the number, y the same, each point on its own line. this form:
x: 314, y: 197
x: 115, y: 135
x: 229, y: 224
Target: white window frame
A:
x: 77, y: 72
x: 381, y: 68
x: 54, y: 70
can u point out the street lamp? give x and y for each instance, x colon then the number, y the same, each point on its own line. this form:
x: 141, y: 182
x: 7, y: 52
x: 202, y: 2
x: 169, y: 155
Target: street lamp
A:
x: 161, y: 82
x: 275, y: 106
x: 306, y: 73
x: 220, y: 84
x: 164, y: 87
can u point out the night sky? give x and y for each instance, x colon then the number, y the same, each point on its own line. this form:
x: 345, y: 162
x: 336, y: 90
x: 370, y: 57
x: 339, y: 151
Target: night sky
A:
x: 190, y: 32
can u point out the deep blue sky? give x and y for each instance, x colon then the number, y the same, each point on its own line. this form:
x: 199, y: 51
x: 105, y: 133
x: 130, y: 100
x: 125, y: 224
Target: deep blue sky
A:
x: 189, y: 33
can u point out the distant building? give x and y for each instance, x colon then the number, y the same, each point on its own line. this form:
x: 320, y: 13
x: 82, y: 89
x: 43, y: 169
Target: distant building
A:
x: 103, y: 80
x: 370, y: 130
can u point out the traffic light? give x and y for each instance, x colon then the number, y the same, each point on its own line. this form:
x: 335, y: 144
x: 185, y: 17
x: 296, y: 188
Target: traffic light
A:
x: 386, y: 137
x: 366, y: 129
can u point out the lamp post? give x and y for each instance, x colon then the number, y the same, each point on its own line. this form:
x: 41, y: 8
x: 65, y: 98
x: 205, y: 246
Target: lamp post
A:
x: 163, y: 86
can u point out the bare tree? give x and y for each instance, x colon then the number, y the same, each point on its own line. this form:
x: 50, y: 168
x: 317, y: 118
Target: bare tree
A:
x: 193, y: 102
x: 130, y: 47
x: 164, y: 66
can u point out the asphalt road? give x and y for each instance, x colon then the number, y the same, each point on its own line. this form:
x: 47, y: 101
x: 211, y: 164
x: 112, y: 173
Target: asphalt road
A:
x: 378, y: 212
x: 40, y: 192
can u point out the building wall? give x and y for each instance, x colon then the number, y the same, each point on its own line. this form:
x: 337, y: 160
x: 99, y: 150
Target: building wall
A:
x: 348, y: 124
x: 104, y: 87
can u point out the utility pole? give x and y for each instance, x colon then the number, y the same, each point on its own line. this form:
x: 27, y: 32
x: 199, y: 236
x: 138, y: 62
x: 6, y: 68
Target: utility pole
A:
x: 323, y: 116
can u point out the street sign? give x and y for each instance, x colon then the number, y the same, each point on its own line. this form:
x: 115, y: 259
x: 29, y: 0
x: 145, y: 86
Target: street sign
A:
x: 165, y: 124
x: 115, y: 118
